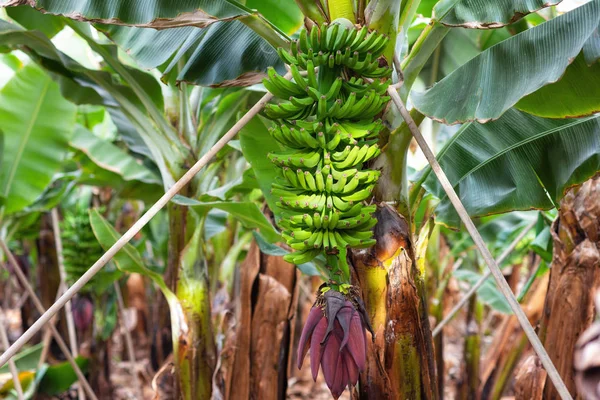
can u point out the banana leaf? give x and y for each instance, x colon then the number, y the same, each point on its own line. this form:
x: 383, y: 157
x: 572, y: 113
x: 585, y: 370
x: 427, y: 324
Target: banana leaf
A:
x: 37, y: 123
x: 492, y: 82
x: 219, y: 42
x: 518, y: 162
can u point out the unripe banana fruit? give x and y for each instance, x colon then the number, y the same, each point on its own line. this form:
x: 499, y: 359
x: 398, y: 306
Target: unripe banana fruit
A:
x: 328, y: 123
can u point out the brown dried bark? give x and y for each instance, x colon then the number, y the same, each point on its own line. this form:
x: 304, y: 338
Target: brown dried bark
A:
x: 258, y: 347
x: 400, y: 359
x: 100, y: 369
x: 48, y: 274
x: 269, y: 325
x: 574, y: 278
x: 530, y: 380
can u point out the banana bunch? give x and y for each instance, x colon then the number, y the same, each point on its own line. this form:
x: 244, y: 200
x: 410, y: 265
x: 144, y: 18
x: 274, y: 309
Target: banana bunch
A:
x: 354, y: 99
x: 326, y: 121
x: 81, y: 248
x: 342, y: 45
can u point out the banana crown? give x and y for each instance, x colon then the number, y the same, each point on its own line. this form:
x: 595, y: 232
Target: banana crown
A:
x: 327, y: 123
x: 335, y: 44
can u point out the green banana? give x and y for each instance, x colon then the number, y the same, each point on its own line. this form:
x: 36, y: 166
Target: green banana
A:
x: 320, y: 181
x: 315, y: 43
x: 310, y: 181
x: 291, y: 177
x: 339, y: 185
x: 301, y: 257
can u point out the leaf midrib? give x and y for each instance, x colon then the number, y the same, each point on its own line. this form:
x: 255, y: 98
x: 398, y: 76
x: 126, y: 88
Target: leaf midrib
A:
x: 25, y: 140
x: 156, y: 278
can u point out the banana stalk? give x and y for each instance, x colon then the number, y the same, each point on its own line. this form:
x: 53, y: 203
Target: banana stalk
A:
x: 313, y: 10
x: 341, y: 9
x: 383, y: 16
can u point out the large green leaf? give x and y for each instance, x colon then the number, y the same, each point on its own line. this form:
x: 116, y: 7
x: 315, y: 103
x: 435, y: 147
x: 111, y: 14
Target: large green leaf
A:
x: 59, y: 377
x: 50, y: 25
x: 86, y: 86
x: 285, y: 14
x: 591, y: 49
x: 27, y: 359
x: 148, y: 13
x: 247, y: 213
x: 576, y: 94
x: 257, y: 143
x: 227, y: 54
x: 37, y: 123
x: 518, y: 162
x: 202, y: 34
x: 483, y: 14
x: 451, y: 54
x: 489, y: 84
x: 102, y: 163
x: 223, y: 54
x: 110, y: 157
x: 128, y: 259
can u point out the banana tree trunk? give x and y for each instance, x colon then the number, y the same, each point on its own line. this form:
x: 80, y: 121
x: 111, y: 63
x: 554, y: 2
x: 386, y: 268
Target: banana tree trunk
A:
x: 194, y: 350
x: 161, y: 320
x: 400, y: 357
x: 258, y: 349
x: 574, y: 278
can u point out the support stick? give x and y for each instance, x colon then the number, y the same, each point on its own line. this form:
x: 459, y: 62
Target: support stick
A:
x: 480, y: 282
x: 63, y: 286
x: 11, y: 365
x: 487, y: 256
x: 40, y: 308
x: 128, y: 341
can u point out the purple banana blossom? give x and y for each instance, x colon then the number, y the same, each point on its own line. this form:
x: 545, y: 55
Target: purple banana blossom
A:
x: 83, y: 312
x: 335, y: 334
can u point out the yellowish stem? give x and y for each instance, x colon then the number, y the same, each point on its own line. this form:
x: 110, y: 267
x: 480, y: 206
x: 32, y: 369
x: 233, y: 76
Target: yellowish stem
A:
x: 341, y: 9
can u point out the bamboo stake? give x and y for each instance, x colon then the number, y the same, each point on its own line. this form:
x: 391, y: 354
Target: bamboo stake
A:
x: 128, y: 341
x: 40, y: 308
x: 48, y: 332
x: 482, y: 280
x: 487, y: 256
x: 62, y: 288
x: 11, y: 365
x: 135, y: 228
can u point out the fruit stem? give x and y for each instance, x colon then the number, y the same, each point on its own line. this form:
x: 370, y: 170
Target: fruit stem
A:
x: 341, y: 9
x: 338, y: 267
